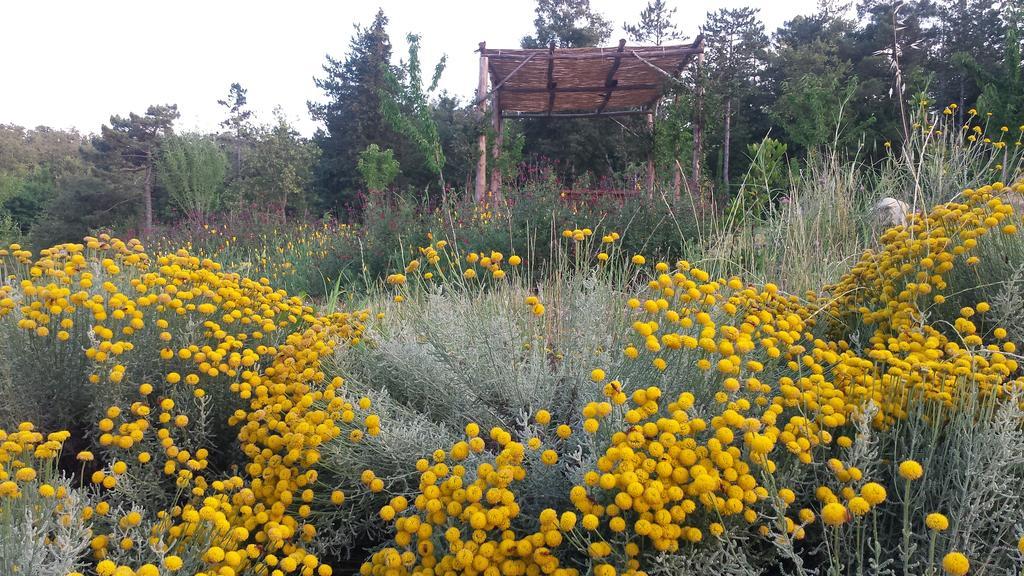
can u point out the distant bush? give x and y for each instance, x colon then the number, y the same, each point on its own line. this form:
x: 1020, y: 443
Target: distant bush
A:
x: 312, y: 257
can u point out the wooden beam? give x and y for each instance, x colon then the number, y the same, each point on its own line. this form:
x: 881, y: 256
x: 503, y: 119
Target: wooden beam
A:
x: 551, y: 76
x: 566, y: 54
x: 652, y: 65
x: 575, y: 89
x: 480, y: 187
x: 572, y: 114
x: 698, y: 45
x: 610, y: 81
x: 505, y: 79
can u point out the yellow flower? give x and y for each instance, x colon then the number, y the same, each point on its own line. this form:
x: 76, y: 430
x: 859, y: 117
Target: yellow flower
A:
x: 936, y: 521
x: 859, y: 506
x: 173, y: 563
x: 911, y: 470
x: 834, y: 514
x: 874, y: 493
x: 597, y: 375
x: 955, y: 564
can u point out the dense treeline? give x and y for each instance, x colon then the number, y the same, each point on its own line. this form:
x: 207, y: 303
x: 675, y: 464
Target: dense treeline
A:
x: 841, y: 77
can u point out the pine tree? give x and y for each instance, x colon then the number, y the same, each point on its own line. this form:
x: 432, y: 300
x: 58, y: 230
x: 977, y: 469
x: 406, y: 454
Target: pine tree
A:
x: 237, y: 121
x: 129, y: 146
x: 655, y: 25
x: 351, y: 116
x: 894, y: 55
x: 814, y: 94
x: 567, y: 23
x: 972, y: 36
x: 1003, y: 86
x: 736, y: 49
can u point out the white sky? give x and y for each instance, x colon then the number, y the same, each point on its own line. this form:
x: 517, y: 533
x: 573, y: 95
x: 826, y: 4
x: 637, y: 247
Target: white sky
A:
x: 73, y: 63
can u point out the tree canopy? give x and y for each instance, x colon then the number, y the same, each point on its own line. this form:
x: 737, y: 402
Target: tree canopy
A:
x: 843, y: 77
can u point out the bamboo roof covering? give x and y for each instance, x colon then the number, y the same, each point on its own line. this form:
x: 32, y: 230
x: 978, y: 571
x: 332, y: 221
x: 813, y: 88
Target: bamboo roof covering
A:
x: 578, y: 82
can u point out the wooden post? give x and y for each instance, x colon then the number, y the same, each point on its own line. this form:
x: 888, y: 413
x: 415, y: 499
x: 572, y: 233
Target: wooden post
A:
x: 498, y: 125
x: 650, y: 156
x: 551, y: 77
x: 481, y: 163
x: 698, y: 120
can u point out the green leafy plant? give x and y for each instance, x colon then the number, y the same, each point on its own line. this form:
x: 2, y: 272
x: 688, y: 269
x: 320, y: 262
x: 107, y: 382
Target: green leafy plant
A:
x: 767, y: 177
x: 377, y: 167
x: 192, y: 170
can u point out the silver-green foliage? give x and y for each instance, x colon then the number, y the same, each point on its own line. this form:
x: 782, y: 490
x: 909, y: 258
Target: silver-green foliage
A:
x: 42, y: 536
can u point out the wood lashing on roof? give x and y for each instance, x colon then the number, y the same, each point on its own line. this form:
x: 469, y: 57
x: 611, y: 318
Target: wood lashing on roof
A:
x: 584, y: 81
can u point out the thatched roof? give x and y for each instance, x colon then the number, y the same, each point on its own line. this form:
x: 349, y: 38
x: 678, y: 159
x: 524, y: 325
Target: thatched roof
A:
x: 584, y: 81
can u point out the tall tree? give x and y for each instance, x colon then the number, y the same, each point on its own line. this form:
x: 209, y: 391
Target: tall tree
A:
x: 567, y: 23
x: 736, y: 47
x: 280, y: 169
x: 192, y: 170
x: 351, y: 116
x: 972, y: 38
x: 82, y: 204
x: 129, y: 146
x: 894, y: 50
x: 32, y: 162
x: 1002, y: 92
x: 237, y: 121
x: 405, y: 105
x: 816, y: 99
x: 655, y: 24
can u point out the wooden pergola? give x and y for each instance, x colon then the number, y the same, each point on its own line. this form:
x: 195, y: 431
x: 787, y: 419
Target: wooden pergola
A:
x: 576, y: 83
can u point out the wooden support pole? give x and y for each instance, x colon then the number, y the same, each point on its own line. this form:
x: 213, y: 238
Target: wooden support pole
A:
x: 551, y: 76
x: 650, y: 156
x: 698, y: 119
x: 498, y: 125
x: 481, y: 163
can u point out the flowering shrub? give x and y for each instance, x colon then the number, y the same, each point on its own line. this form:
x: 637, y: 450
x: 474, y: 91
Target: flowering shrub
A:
x: 171, y: 369
x: 611, y: 415
x: 736, y: 414
x: 43, y: 528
